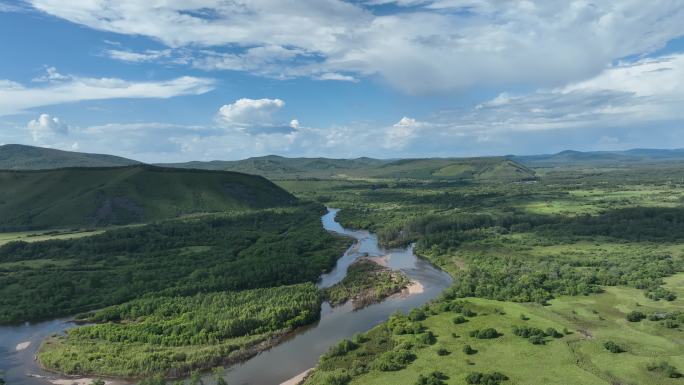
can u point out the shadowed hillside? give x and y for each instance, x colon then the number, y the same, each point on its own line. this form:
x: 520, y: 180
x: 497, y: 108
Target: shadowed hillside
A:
x: 116, y: 196
x: 20, y: 157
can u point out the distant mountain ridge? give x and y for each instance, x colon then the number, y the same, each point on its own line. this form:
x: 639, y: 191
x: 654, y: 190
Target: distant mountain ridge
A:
x: 570, y: 157
x: 94, y: 197
x: 22, y: 157
x: 277, y: 167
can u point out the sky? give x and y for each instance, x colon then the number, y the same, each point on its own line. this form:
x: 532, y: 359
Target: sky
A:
x: 181, y: 80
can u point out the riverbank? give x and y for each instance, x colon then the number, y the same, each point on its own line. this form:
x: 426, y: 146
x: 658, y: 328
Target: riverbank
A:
x: 296, y: 351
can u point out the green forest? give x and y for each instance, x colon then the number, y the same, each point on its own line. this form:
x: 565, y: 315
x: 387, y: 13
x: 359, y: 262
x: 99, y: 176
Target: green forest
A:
x: 175, y: 335
x: 237, y: 251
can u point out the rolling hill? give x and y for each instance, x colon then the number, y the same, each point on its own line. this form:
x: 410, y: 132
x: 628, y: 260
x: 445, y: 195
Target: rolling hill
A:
x: 276, y: 167
x: 123, y: 195
x: 21, y: 157
x: 602, y: 158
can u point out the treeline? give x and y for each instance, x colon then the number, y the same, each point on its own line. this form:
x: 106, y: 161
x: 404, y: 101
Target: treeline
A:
x: 174, y: 335
x: 181, y: 257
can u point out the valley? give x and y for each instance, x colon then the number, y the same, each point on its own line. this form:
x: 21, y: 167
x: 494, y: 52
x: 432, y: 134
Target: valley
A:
x: 529, y: 276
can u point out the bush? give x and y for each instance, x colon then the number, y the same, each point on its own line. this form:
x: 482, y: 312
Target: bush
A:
x: 665, y: 368
x: 394, y: 360
x: 493, y: 378
x: 443, y: 351
x: 342, y: 348
x: 434, y: 378
x: 670, y: 324
x: 459, y: 320
x: 613, y: 347
x: 551, y: 332
x: 635, y: 316
x: 417, y: 315
x: 469, y: 350
x: 469, y: 313
x: 537, y: 340
x: 485, y: 334
x: 427, y: 338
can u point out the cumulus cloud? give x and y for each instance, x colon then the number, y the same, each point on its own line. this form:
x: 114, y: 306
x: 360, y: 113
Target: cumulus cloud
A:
x: 626, y: 94
x: 16, y: 98
x: 254, y: 115
x: 431, y: 45
x: 47, y: 127
x: 400, y: 134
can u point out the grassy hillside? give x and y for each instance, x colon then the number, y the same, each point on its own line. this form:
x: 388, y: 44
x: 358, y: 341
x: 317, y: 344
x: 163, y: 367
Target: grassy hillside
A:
x: 115, y: 196
x: 276, y: 167
x: 480, y: 169
x: 20, y: 157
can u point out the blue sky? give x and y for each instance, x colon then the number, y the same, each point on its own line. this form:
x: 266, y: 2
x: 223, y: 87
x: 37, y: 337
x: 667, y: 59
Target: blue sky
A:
x: 213, y: 79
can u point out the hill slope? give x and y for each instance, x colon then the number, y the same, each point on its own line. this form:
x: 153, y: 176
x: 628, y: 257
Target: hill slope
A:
x: 276, y: 167
x: 20, y: 157
x: 602, y: 158
x: 134, y: 194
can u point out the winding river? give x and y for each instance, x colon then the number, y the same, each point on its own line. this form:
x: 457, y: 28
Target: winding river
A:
x: 290, y: 358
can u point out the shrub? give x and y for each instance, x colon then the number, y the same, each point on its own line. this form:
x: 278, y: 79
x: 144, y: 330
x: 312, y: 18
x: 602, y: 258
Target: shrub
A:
x: 635, y: 316
x: 459, y: 320
x: 394, y: 360
x: 434, y: 378
x: 443, y: 351
x: 523, y: 317
x: 485, y: 334
x: 427, y: 338
x: 342, y: 348
x: 417, y: 315
x: 665, y: 368
x: 469, y: 350
x: 537, y: 340
x: 613, y: 347
x: 551, y: 332
x: 670, y: 324
x: 469, y: 313
x: 494, y: 378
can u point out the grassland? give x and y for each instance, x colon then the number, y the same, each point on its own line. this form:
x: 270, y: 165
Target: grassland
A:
x: 574, y: 251
x: 578, y: 357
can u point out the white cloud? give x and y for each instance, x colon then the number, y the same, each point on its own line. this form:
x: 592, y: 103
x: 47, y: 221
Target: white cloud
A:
x: 137, y: 57
x: 401, y: 133
x: 294, y: 124
x: 16, y: 98
x: 247, y: 113
x: 51, y: 75
x: 47, y: 127
x: 337, y: 76
x: 431, y: 45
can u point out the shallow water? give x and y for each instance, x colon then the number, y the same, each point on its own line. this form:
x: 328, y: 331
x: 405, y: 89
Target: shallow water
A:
x: 297, y: 354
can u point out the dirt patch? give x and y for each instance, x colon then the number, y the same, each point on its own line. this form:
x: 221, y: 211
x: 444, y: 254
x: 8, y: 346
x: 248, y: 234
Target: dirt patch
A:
x: 298, y: 379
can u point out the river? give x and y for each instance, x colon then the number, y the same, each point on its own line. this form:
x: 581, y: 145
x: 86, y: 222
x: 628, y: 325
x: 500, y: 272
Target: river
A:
x: 290, y: 358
